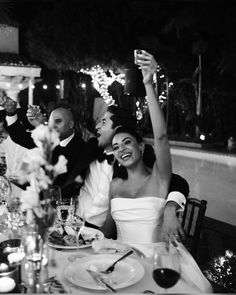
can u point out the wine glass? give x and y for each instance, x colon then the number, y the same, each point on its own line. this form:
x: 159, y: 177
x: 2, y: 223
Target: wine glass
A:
x: 5, y: 190
x: 166, y: 268
x: 77, y: 223
x: 65, y: 211
x: 55, y: 195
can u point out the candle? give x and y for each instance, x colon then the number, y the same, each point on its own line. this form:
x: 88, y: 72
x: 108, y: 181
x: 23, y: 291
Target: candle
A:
x: 8, y: 277
x: 3, y: 267
x: 6, y: 284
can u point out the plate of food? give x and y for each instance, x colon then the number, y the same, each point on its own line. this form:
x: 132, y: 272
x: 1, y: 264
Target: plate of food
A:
x: 64, y: 237
x: 126, y: 273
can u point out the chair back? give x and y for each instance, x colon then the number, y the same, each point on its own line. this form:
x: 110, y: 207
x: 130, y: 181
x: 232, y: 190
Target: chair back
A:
x: 192, y: 221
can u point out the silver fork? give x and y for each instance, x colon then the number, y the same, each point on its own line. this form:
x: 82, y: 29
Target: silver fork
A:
x: 111, y: 268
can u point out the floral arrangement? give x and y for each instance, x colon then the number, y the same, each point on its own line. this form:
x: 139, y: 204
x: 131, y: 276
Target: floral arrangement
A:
x: 37, y: 170
x: 222, y: 272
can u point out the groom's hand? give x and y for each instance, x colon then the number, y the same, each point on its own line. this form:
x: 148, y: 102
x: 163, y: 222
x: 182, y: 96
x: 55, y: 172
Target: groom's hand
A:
x: 171, y: 228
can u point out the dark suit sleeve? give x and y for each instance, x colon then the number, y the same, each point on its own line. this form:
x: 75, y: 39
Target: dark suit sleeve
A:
x: 79, y: 155
x: 20, y: 136
x: 86, y: 155
x: 178, y: 183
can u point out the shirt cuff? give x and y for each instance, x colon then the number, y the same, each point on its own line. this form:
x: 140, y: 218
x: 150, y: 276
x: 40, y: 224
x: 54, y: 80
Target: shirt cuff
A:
x: 178, y: 198
x: 11, y: 119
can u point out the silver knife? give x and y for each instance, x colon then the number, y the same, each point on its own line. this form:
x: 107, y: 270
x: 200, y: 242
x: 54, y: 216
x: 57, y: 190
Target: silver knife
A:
x: 99, y: 280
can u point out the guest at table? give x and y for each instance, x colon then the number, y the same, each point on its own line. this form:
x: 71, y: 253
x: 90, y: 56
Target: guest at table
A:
x: 78, y: 153
x: 137, y: 203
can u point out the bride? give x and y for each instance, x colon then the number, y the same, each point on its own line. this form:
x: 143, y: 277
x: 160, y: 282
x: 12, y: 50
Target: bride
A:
x: 137, y: 203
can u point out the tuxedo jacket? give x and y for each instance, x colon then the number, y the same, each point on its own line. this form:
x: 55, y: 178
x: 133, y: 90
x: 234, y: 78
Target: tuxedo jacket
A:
x: 180, y: 184
x: 78, y: 154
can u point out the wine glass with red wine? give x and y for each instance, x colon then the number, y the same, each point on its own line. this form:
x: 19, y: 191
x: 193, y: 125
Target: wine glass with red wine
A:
x: 166, y: 270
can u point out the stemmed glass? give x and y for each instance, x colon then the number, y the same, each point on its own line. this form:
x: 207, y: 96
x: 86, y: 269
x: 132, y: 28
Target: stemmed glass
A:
x: 77, y: 223
x: 65, y: 212
x: 166, y: 268
x: 5, y: 190
x: 55, y: 195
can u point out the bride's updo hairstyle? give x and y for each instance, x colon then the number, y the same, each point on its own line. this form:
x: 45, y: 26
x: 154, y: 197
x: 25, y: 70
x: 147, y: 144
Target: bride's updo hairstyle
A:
x: 148, y: 154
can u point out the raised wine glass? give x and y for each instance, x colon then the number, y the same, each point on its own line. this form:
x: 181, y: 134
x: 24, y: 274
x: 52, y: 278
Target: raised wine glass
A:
x: 166, y: 267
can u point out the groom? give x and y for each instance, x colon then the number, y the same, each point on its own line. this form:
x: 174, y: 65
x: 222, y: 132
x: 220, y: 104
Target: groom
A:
x: 94, y: 194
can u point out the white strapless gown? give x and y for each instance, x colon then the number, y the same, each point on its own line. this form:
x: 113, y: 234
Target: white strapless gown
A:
x: 138, y: 220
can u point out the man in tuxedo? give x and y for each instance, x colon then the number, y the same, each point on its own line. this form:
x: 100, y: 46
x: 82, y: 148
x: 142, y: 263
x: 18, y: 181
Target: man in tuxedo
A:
x: 78, y: 153
x: 94, y: 194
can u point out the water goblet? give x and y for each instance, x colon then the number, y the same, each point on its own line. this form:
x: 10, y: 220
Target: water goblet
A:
x: 166, y: 267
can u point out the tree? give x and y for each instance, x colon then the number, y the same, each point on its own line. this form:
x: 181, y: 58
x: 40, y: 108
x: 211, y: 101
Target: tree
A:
x: 5, y: 11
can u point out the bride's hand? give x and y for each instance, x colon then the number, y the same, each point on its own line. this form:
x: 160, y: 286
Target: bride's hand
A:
x: 148, y: 66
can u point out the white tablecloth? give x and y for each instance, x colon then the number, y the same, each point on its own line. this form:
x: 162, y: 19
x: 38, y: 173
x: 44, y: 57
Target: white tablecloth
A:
x: 146, y: 283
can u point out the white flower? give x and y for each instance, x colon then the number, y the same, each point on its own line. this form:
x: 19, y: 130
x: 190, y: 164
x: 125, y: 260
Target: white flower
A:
x: 43, y: 135
x: 37, y: 169
x: 60, y: 166
x: 33, y: 160
x: 29, y: 198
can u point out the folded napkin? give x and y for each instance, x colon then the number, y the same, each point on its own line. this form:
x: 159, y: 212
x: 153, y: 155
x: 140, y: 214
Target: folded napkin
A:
x: 114, y: 246
x: 109, y: 246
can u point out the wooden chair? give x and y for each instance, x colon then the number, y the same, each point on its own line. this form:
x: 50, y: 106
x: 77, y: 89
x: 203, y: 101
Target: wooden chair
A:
x: 192, y: 221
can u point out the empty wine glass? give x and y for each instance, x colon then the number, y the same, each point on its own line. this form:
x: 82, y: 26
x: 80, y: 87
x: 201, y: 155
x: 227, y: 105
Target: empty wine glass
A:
x: 77, y: 223
x: 65, y: 212
x: 5, y: 190
x: 166, y: 268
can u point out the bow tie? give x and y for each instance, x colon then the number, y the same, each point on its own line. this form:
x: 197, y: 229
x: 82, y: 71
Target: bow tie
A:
x: 103, y: 156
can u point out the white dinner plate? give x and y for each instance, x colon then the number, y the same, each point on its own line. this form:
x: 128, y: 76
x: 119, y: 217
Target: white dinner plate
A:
x: 86, y: 230
x: 126, y: 273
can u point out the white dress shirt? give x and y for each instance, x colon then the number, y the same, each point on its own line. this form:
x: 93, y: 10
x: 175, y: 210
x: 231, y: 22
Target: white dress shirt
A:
x: 94, y: 194
x: 65, y: 141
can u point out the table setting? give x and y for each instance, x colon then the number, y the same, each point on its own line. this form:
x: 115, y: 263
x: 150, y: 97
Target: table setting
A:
x: 83, y: 269
x: 80, y: 263
x: 45, y: 246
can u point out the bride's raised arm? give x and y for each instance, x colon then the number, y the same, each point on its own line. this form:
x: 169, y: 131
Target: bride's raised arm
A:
x: 148, y: 66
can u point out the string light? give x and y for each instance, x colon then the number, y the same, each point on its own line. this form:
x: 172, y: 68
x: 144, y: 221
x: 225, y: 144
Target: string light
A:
x: 202, y: 137
x: 101, y: 81
x: 58, y: 86
x: 45, y: 87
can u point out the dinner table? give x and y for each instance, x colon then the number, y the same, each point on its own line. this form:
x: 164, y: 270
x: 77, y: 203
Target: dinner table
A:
x: 63, y: 261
